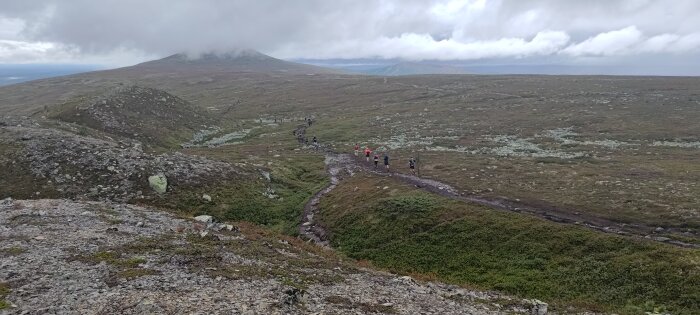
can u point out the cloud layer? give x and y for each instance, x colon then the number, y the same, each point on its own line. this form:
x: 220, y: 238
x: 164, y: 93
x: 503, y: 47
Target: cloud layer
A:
x: 126, y: 31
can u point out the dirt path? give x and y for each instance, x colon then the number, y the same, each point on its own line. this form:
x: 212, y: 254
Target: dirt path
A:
x: 339, y: 165
x: 540, y: 209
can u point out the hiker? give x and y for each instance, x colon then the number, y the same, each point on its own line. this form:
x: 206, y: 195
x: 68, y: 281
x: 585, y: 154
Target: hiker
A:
x: 357, y: 149
x: 376, y: 160
x: 309, y: 122
x: 315, y: 143
x: 367, y: 153
x: 412, y: 165
x: 386, y: 161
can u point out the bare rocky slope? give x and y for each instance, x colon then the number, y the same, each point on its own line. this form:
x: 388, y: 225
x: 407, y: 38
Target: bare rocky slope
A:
x: 57, y: 161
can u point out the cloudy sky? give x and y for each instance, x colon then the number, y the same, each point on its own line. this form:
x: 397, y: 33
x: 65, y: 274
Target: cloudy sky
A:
x: 123, y: 32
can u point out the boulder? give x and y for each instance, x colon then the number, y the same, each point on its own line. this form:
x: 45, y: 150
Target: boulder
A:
x: 158, y: 182
x: 204, y: 218
x: 538, y: 307
x: 206, y: 198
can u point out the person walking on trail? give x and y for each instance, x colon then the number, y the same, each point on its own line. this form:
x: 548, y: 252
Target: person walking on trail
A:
x: 412, y: 165
x: 376, y: 161
x: 367, y: 153
x: 386, y: 161
x: 357, y: 149
x: 315, y: 143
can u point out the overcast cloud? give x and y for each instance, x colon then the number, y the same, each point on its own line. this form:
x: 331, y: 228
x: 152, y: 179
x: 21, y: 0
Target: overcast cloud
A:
x: 121, y: 32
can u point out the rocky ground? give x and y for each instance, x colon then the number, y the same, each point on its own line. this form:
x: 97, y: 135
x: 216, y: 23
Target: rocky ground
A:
x: 68, y: 257
x: 151, y: 116
x: 93, y: 167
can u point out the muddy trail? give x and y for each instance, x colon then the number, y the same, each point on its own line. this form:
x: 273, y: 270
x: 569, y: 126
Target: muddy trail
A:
x: 339, y: 165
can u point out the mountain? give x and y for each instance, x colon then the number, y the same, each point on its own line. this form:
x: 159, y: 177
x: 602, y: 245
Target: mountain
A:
x: 236, y: 61
x: 415, y: 68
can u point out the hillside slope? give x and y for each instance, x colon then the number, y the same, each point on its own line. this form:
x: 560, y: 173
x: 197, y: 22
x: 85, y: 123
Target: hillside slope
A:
x: 179, y: 74
x: 92, y: 257
x: 151, y: 116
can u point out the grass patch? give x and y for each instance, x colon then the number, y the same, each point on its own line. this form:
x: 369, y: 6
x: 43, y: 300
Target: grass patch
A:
x: 409, y: 231
x: 4, y: 292
x: 12, y: 251
x: 294, y: 176
x: 135, y: 273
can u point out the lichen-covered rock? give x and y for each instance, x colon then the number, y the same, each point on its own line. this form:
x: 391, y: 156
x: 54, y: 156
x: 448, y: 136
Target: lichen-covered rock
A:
x: 159, y: 183
x: 204, y: 218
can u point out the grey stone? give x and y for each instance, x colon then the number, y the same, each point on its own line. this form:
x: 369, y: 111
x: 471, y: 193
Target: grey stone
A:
x: 204, y: 218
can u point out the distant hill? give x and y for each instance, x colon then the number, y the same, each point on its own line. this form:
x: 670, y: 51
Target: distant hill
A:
x: 18, y: 73
x: 415, y: 68
x: 152, y: 116
x: 180, y: 74
x: 240, y: 61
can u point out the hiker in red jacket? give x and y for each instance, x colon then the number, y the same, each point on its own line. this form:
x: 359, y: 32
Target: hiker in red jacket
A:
x: 367, y: 153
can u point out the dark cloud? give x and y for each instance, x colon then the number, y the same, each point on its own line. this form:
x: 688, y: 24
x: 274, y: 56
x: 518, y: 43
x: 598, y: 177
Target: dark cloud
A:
x: 410, y: 29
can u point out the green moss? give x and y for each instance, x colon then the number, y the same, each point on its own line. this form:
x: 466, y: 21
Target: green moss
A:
x: 135, y: 273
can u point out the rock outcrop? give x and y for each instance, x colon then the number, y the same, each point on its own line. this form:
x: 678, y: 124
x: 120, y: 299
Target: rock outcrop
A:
x: 100, y: 167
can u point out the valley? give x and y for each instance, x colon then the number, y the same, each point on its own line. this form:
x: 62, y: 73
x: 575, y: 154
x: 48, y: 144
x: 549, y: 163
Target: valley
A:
x: 581, y: 191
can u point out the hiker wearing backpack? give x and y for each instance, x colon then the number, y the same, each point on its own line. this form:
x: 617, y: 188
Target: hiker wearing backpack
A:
x: 412, y: 165
x: 367, y: 153
x: 376, y: 161
x: 357, y: 149
x: 386, y: 161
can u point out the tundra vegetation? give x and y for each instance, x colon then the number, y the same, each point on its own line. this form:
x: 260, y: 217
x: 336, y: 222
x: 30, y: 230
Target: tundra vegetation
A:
x: 619, y: 149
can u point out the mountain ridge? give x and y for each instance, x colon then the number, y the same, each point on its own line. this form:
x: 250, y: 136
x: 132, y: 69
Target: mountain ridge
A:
x: 231, y: 61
